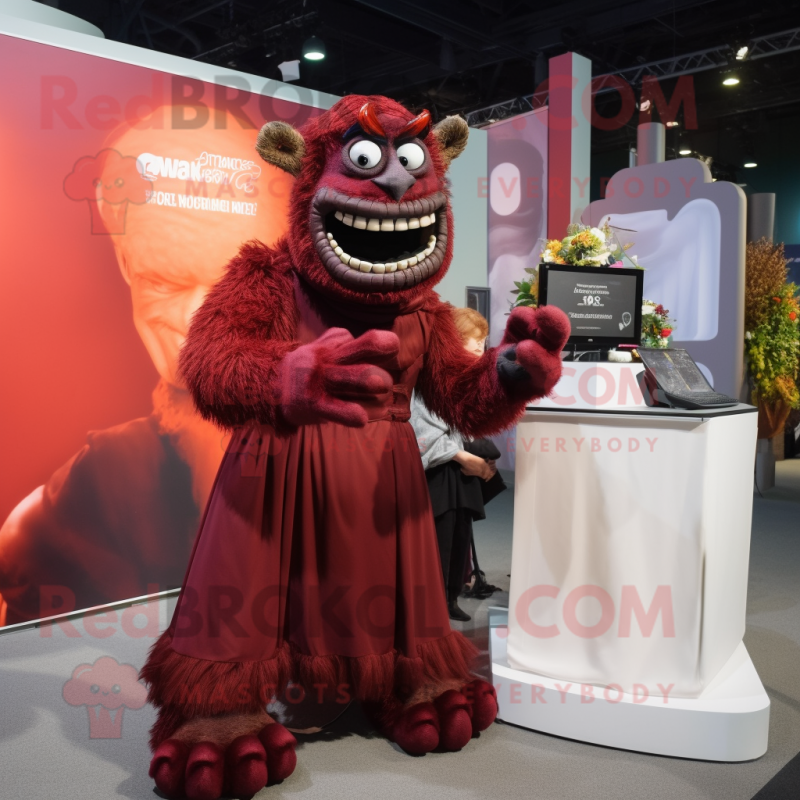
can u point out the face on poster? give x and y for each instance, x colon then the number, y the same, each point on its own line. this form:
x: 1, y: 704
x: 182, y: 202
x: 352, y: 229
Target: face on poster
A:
x: 126, y: 192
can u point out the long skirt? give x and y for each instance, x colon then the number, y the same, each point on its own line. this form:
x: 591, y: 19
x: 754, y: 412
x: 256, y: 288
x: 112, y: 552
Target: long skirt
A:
x: 316, y: 561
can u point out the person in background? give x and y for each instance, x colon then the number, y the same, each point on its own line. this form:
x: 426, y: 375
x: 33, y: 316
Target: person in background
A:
x: 454, y: 475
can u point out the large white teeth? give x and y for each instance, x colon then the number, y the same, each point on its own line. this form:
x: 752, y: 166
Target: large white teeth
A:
x: 383, y: 225
x: 374, y: 224
x: 389, y: 266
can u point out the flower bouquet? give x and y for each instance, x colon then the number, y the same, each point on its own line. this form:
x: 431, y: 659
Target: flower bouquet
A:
x: 657, y: 327
x: 585, y: 246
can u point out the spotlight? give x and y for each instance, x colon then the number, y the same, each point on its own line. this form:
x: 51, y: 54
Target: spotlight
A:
x: 730, y: 81
x: 673, y: 123
x: 684, y: 151
x: 751, y: 164
x: 741, y: 53
x: 314, y: 49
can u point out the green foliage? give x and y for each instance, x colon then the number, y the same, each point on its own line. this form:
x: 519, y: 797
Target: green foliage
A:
x: 773, y: 348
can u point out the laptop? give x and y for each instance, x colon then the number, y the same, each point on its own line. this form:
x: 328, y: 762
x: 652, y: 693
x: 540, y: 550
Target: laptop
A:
x: 671, y: 378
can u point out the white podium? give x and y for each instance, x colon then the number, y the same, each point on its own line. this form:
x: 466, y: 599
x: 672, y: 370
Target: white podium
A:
x: 629, y: 574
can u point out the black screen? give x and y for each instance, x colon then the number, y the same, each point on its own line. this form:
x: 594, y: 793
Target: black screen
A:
x: 601, y: 305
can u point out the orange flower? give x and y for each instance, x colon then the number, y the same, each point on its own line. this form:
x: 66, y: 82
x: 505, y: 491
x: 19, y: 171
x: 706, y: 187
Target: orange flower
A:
x: 776, y: 299
x: 792, y: 316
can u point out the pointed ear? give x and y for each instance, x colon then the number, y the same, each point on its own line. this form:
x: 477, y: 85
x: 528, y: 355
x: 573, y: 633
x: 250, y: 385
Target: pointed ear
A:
x: 282, y: 146
x: 452, y: 134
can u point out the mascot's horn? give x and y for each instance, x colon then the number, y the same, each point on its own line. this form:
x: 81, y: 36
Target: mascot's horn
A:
x: 369, y: 122
x: 417, y: 126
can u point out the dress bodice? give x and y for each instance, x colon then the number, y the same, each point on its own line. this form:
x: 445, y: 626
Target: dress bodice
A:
x: 316, y: 315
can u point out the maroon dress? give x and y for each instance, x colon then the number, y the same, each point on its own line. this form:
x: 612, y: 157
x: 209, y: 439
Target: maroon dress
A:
x: 292, y: 517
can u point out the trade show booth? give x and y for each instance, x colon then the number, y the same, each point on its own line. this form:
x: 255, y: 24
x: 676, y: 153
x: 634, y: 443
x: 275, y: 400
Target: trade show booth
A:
x: 160, y: 205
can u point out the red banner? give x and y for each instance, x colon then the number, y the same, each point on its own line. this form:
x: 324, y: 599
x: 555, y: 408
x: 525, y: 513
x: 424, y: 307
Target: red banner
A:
x: 125, y: 192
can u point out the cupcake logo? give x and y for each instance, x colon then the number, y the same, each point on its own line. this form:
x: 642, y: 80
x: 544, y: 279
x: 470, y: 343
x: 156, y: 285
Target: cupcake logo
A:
x: 106, y: 688
x: 108, y: 182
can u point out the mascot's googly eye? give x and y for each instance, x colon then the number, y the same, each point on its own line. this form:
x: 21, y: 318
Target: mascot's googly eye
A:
x: 411, y: 155
x: 365, y: 154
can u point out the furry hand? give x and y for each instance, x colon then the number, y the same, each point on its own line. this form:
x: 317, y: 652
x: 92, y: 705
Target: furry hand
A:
x: 530, y: 353
x: 330, y: 378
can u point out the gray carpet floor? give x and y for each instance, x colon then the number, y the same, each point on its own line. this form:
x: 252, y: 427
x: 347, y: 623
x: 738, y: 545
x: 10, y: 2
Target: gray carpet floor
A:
x: 46, y: 750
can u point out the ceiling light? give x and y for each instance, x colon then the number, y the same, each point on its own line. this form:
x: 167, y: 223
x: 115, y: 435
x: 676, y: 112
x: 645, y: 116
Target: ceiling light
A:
x: 751, y: 164
x: 730, y: 81
x: 673, y: 123
x: 741, y: 53
x: 684, y: 151
x: 314, y: 49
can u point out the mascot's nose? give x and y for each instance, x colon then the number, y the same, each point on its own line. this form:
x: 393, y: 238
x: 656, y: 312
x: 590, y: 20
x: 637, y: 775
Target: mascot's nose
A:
x: 395, y: 180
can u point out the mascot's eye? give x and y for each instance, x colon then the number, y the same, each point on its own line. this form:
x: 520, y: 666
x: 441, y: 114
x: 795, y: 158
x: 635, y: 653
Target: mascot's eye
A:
x: 116, y: 688
x: 365, y: 154
x: 94, y: 688
x: 119, y: 183
x: 411, y: 155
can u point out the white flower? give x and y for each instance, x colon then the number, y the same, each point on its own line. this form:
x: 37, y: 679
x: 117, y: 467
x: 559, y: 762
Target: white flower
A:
x: 635, y: 259
x: 547, y: 257
x: 647, y: 308
x: 599, y: 234
x: 748, y: 335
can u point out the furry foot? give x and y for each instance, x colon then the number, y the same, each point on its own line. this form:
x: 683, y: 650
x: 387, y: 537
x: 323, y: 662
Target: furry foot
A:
x: 204, y: 771
x: 446, y: 723
x: 482, y: 697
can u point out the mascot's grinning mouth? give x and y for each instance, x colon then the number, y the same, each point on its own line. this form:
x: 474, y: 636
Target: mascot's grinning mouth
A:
x: 376, y: 246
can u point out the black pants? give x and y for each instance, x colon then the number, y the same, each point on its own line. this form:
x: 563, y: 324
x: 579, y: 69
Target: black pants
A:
x: 454, y: 533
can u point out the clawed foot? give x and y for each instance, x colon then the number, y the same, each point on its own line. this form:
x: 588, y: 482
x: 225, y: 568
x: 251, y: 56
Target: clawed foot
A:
x: 205, y: 770
x: 448, y: 722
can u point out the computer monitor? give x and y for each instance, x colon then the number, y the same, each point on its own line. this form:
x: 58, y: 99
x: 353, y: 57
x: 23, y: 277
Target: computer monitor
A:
x: 604, y: 304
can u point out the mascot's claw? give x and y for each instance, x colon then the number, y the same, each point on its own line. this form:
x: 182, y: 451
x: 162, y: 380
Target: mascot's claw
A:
x: 483, y: 699
x: 449, y: 722
x: 205, y: 772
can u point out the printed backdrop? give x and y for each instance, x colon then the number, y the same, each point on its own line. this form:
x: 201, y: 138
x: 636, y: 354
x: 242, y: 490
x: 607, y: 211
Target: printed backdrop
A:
x: 126, y: 191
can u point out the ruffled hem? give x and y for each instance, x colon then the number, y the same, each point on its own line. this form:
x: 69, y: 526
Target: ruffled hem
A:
x: 183, y: 687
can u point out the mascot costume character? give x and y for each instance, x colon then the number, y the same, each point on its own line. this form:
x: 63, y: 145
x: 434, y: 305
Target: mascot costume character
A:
x: 316, y: 558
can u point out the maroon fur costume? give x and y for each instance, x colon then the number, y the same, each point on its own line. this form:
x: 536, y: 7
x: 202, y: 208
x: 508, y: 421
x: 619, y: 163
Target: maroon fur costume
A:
x: 316, y: 558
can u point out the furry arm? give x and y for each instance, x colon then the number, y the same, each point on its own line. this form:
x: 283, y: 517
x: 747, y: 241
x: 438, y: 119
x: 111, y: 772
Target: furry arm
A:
x: 237, y: 340
x: 483, y: 396
x: 241, y: 360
